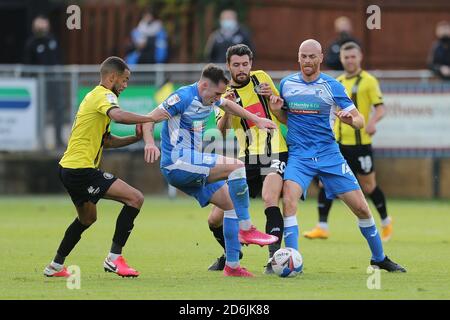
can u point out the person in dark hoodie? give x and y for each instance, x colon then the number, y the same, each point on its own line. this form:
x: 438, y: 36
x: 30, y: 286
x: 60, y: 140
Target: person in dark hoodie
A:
x: 230, y: 33
x: 344, y: 29
x: 439, y: 58
x: 42, y: 47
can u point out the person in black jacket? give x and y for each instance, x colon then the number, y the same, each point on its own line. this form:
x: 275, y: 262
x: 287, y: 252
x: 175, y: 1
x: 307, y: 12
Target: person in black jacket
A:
x: 41, y: 48
x: 439, y: 58
x: 229, y: 34
x: 343, y: 27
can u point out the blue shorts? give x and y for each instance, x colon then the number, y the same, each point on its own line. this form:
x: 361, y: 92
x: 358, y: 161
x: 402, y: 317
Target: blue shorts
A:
x: 191, y: 176
x: 332, y: 169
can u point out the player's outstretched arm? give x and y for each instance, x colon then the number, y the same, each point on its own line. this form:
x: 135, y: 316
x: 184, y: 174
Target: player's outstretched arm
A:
x: 352, y: 118
x: 224, y: 121
x: 276, y: 105
x: 125, y: 117
x: 111, y: 141
x: 151, y: 151
x: 237, y: 110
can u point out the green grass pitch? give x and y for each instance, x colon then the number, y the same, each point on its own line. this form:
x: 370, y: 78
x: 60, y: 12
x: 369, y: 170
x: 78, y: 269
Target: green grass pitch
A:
x: 172, y: 247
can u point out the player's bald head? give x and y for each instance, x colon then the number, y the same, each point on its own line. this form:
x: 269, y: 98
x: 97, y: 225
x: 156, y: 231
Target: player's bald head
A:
x: 310, y: 57
x: 310, y: 46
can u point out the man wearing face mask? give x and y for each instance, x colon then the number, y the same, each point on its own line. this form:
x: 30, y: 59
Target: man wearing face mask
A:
x: 439, y: 58
x: 149, y: 41
x: 343, y: 27
x: 229, y: 34
x: 41, y: 48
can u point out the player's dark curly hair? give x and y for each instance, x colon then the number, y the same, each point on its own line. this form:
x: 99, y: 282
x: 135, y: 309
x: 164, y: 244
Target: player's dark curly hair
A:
x: 215, y: 74
x: 239, y: 50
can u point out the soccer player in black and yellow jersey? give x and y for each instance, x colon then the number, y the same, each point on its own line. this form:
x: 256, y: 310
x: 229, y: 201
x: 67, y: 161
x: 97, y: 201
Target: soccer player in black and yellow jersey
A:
x: 85, y: 182
x: 356, y: 144
x: 264, y: 153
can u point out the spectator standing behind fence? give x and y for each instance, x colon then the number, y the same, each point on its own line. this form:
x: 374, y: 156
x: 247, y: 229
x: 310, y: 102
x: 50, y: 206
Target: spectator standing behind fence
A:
x: 149, y: 41
x: 344, y: 29
x: 229, y: 34
x: 41, y: 48
x: 439, y: 58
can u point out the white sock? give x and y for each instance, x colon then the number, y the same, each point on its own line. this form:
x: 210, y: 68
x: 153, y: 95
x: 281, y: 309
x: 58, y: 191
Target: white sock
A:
x: 56, y: 266
x: 323, y: 225
x: 245, y: 224
x: 366, y: 223
x: 386, y: 221
x: 232, y: 265
x: 290, y: 221
x: 113, y: 256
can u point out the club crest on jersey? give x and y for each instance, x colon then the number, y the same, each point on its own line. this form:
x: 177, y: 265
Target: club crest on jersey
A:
x: 319, y: 92
x: 173, y: 99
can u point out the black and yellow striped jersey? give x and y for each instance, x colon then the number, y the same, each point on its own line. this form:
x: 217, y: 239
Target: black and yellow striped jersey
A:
x: 365, y: 92
x: 252, y: 141
x: 90, y: 126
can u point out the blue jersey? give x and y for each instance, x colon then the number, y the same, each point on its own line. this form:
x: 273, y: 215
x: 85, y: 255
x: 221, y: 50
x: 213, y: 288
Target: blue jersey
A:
x: 183, y: 132
x: 310, y: 110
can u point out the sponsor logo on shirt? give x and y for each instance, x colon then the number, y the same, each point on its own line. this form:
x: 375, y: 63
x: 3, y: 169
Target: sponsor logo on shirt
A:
x: 304, y: 108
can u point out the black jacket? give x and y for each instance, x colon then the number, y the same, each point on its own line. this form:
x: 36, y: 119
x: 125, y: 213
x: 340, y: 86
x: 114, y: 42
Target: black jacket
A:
x: 439, y: 56
x: 332, y: 59
x: 218, y: 44
x: 42, y: 51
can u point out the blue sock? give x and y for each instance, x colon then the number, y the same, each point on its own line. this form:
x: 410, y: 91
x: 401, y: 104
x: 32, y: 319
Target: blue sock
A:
x: 370, y: 232
x: 232, y: 245
x: 290, y: 233
x: 238, y: 189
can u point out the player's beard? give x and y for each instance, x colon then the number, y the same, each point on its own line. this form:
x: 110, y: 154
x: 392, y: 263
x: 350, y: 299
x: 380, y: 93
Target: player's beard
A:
x: 242, y: 82
x: 309, y: 73
x: 116, y: 90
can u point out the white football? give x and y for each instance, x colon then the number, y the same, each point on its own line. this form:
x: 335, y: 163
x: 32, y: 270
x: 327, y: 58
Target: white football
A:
x: 287, y: 262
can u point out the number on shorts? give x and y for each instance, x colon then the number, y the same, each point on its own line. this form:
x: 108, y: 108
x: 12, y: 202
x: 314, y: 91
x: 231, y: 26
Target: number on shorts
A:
x: 346, y: 169
x: 366, y: 163
x: 279, y: 165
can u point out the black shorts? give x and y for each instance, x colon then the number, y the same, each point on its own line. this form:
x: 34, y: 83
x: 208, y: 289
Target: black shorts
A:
x: 359, y: 158
x: 85, y: 184
x: 257, y: 172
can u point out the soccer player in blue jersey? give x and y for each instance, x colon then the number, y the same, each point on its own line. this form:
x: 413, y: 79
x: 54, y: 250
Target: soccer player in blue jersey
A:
x: 309, y: 102
x: 203, y: 175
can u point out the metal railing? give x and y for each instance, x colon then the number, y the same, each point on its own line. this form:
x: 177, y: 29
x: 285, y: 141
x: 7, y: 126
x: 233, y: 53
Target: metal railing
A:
x: 58, y: 88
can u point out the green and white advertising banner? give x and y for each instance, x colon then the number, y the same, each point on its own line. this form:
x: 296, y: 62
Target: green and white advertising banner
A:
x: 18, y: 115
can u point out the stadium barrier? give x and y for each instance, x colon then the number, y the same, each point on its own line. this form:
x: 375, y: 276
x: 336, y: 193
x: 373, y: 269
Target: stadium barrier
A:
x: 412, y: 145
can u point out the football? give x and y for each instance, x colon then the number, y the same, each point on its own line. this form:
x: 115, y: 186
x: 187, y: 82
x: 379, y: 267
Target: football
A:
x: 287, y: 262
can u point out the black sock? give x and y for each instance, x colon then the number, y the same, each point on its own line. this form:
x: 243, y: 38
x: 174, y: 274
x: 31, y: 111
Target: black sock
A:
x: 275, y: 227
x: 379, y: 201
x: 324, y: 206
x: 218, y: 235
x: 71, y: 238
x: 124, y: 225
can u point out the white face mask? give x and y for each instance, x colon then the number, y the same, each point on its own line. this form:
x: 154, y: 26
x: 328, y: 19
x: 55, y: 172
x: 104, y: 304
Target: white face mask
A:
x: 228, y: 25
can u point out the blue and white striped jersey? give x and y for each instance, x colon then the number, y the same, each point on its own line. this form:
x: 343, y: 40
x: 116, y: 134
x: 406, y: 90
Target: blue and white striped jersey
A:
x: 183, y: 132
x: 310, y: 112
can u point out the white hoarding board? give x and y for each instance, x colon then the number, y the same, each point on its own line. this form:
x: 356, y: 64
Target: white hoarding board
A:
x: 18, y: 115
x: 417, y: 121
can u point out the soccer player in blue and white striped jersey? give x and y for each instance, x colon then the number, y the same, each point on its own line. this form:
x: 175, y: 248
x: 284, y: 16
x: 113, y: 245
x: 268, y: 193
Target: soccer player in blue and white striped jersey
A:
x: 310, y: 101
x: 203, y: 175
